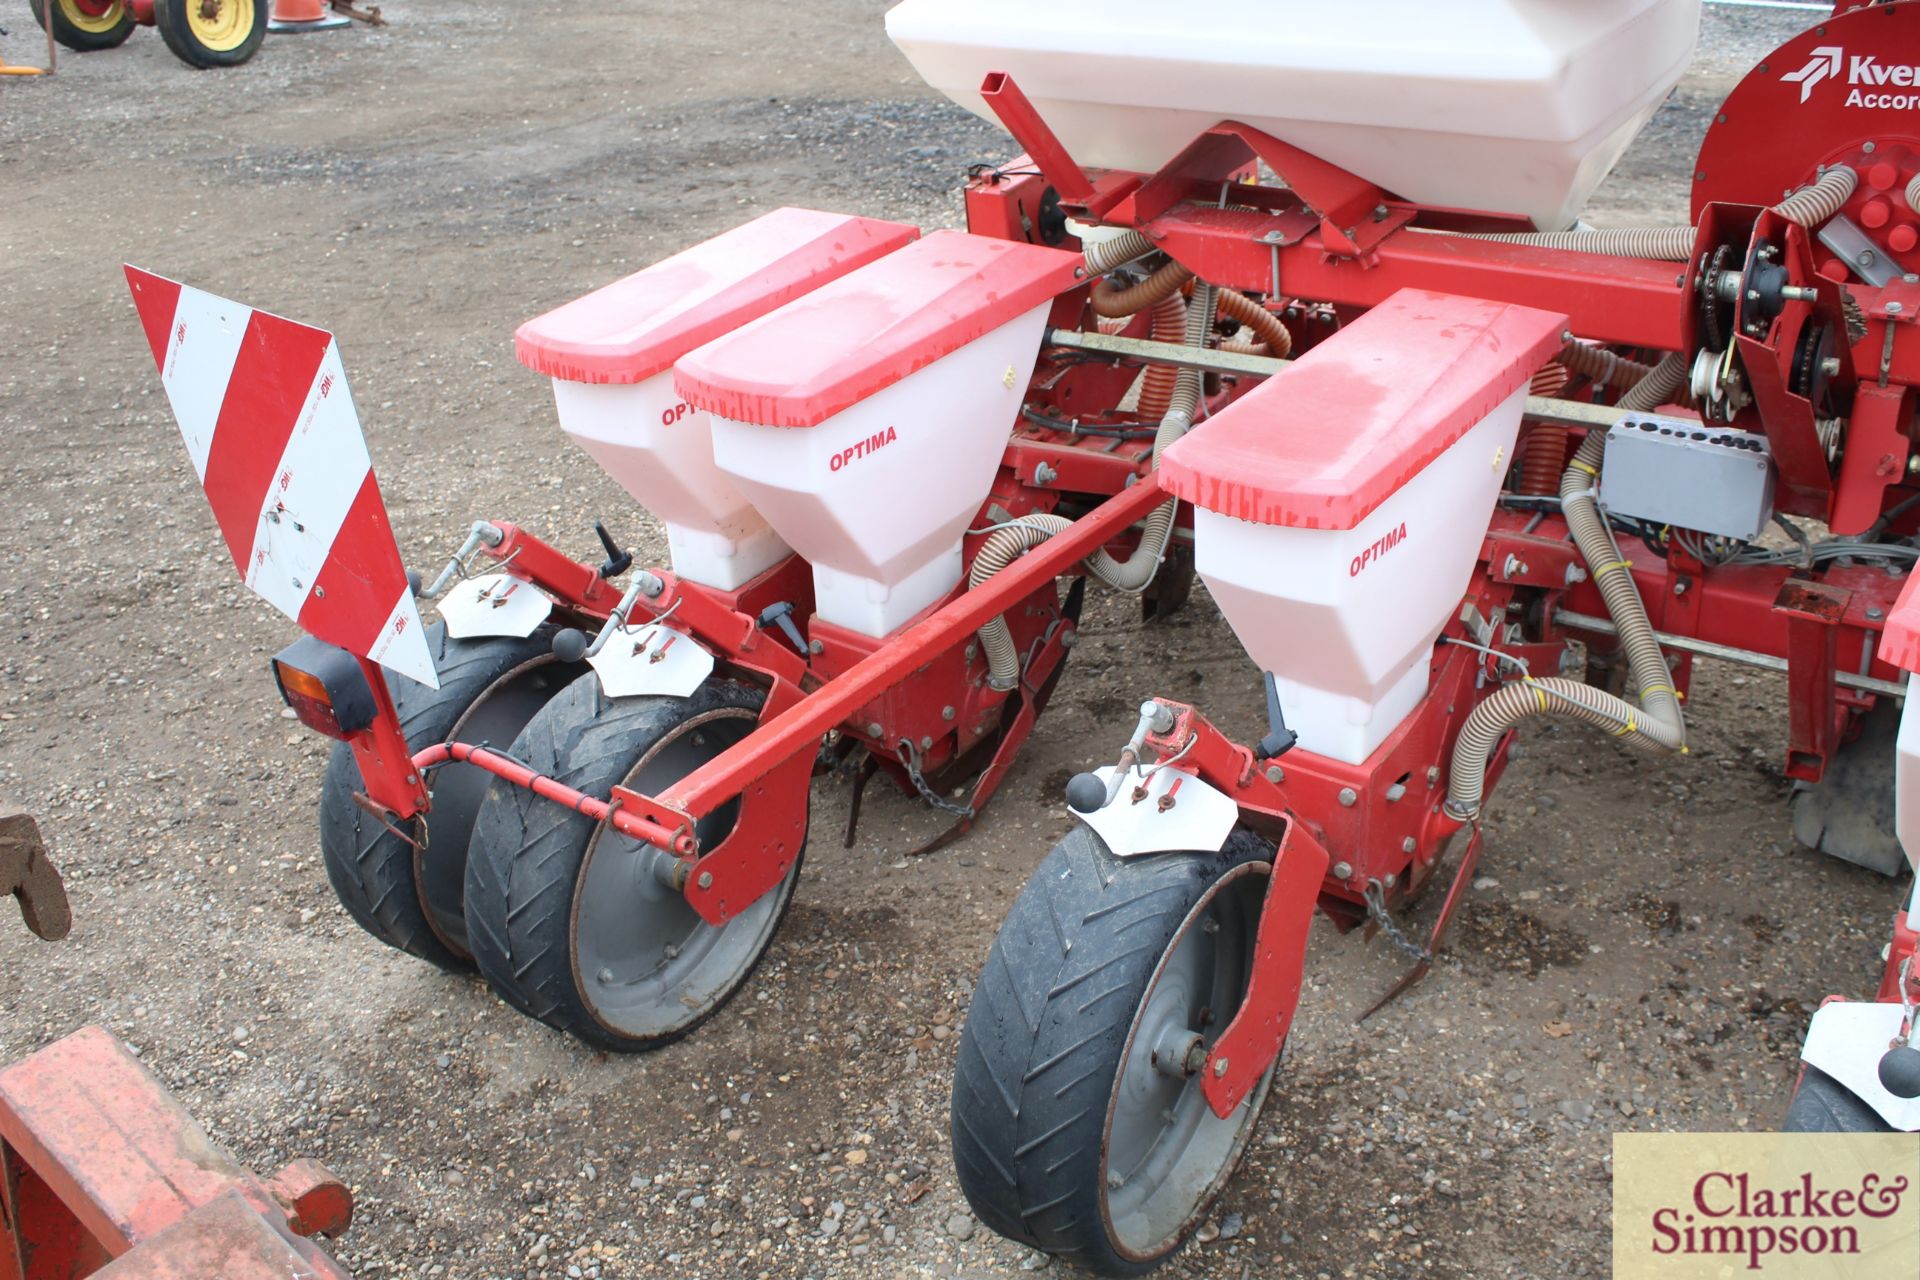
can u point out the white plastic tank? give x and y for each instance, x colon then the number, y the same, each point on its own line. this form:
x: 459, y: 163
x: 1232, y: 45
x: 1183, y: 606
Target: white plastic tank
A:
x: 866, y: 421
x: 1510, y: 106
x: 610, y: 355
x: 1339, y: 506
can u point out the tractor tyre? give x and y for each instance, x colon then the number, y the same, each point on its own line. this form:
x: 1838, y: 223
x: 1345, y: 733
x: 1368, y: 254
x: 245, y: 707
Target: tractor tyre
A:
x: 212, y: 33
x: 86, y: 25
x: 403, y: 882
x: 1079, y: 1127
x: 1822, y: 1104
x: 579, y: 926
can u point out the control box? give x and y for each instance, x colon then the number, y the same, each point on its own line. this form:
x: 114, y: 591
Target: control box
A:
x: 1688, y: 474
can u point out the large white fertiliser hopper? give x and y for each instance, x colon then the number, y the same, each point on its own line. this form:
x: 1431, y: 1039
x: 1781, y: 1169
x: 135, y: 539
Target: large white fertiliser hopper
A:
x: 1516, y: 106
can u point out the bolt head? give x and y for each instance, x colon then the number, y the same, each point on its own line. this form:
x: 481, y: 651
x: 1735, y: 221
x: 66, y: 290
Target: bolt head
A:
x: 1349, y: 797
x: 1408, y: 845
x: 873, y: 728
x: 815, y: 647
x: 1876, y: 613
x: 1343, y: 871
x: 1276, y: 774
x: 1219, y: 1066
x: 706, y: 880
x: 946, y: 713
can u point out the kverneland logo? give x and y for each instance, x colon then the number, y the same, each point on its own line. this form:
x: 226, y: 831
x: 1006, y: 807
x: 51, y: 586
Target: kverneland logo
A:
x: 1828, y: 61
x: 1824, y: 64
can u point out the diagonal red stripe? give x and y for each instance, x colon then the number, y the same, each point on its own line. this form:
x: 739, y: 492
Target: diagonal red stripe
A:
x: 156, y: 299
x: 362, y: 577
x: 271, y: 377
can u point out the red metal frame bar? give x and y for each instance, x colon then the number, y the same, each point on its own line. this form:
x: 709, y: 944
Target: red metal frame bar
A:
x: 575, y: 585
x: 1624, y: 300
x: 794, y: 730
x: 799, y: 729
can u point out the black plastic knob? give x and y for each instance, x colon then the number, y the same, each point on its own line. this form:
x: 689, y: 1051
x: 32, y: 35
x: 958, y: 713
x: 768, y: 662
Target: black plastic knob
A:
x: 414, y: 581
x: 570, y: 644
x: 1900, y: 1072
x: 1086, y: 793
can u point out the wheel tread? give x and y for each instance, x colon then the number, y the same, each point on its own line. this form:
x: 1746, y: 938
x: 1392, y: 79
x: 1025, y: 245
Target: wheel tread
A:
x: 527, y: 852
x: 1043, y: 1037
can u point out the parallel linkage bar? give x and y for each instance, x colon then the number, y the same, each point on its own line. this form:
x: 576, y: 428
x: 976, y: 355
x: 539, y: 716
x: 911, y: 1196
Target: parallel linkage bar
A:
x: 1543, y: 408
x: 801, y: 726
x: 1727, y: 653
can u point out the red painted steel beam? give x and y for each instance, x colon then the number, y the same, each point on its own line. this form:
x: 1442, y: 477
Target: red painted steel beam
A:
x: 800, y: 727
x: 1036, y: 137
x: 1626, y: 300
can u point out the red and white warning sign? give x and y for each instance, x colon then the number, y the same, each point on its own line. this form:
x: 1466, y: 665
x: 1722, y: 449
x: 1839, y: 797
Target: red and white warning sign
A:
x: 269, y: 424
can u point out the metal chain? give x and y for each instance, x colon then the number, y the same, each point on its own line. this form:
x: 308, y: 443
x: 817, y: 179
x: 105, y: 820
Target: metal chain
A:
x: 911, y: 759
x: 1375, y: 896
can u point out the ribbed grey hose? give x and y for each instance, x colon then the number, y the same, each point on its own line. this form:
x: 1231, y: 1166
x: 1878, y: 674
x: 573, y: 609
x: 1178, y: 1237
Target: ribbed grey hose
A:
x: 1103, y: 256
x: 1808, y: 207
x: 1664, y: 244
x: 1133, y: 574
x: 1811, y: 206
x: 1602, y: 366
x: 1002, y: 547
x: 1657, y: 724
x: 1913, y: 194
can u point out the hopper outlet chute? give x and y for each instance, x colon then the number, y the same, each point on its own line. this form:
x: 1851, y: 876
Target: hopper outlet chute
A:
x: 269, y: 424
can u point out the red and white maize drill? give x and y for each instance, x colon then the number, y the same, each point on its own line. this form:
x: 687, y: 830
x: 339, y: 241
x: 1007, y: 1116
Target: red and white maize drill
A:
x: 1303, y: 303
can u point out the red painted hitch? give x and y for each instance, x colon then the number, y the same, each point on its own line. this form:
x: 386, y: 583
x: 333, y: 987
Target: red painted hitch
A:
x: 103, y: 1172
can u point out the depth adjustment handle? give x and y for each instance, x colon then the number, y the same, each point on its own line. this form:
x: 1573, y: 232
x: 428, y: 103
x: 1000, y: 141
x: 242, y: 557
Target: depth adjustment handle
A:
x: 1279, y: 739
x: 617, y: 561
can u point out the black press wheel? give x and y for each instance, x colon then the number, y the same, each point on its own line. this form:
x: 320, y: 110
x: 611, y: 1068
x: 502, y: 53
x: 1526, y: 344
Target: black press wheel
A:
x: 86, y: 25
x: 1079, y: 1127
x: 579, y: 926
x: 212, y: 33
x: 411, y: 898
x: 1822, y: 1104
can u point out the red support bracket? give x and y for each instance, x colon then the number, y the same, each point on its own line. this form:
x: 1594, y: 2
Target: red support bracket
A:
x: 1814, y: 611
x: 1244, y: 1051
x: 387, y: 769
x: 1875, y: 457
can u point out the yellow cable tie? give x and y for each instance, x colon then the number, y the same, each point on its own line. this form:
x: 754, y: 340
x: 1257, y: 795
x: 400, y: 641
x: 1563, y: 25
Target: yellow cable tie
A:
x: 1629, y: 727
x: 1526, y: 678
x: 1581, y: 466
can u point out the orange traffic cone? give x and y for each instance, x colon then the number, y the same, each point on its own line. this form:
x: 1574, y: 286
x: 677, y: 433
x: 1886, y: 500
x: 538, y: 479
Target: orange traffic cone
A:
x: 294, y: 16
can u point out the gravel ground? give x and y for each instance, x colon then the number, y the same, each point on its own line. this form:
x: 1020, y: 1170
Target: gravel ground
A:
x: 1636, y: 954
